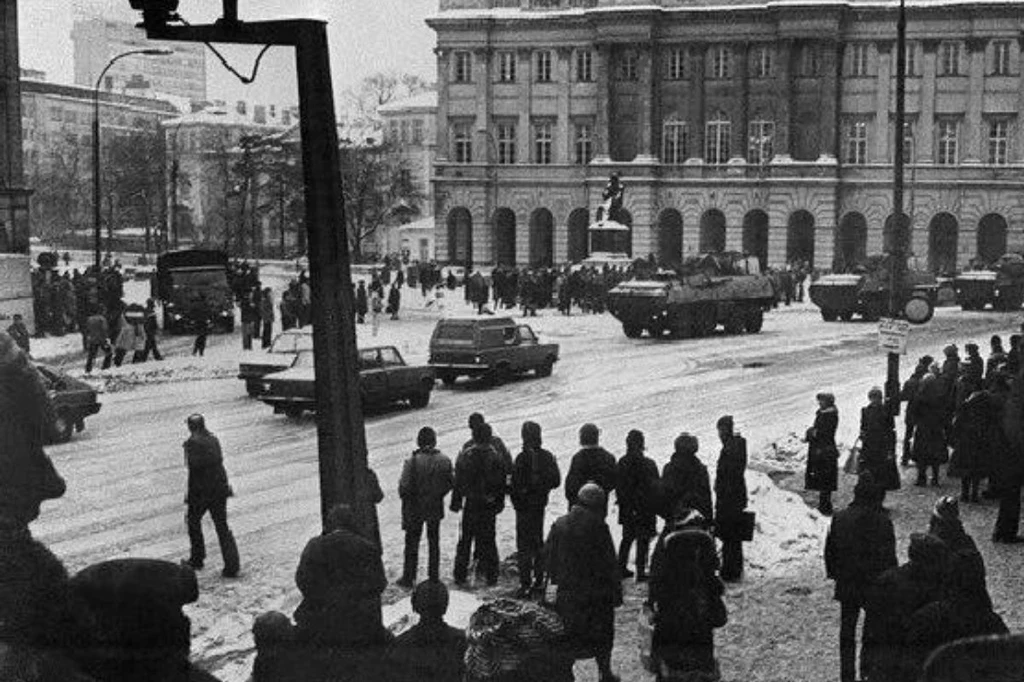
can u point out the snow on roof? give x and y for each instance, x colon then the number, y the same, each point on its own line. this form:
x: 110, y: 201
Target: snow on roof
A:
x: 424, y: 100
x: 217, y: 116
x: 426, y: 223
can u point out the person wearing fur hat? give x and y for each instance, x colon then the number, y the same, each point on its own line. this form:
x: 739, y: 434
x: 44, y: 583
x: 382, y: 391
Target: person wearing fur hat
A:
x: 583, y: 566
x: 860, y: 546
x: 427, y: 476
x: 685, y: 480
x: 822, y: 472
x: 878, y: 441
x: 637, y: 492
x: 534, y: 475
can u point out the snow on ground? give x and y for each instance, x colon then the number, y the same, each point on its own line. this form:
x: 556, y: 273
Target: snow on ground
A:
x: 125, y: 476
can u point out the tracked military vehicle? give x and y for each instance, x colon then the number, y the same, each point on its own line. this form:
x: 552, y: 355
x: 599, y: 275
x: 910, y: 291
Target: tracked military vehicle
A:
x: 709, y: 290
x: 865, y: 292
x: 1000, y: 285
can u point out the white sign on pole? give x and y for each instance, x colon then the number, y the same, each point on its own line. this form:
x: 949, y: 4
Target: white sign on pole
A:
x: 892, y: 335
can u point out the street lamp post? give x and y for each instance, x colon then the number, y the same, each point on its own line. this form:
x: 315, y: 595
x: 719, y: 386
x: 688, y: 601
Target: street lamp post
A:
x: 96, y: 185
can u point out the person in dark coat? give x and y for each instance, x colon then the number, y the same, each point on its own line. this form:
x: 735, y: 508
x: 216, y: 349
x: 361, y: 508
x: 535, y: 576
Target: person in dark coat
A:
x: 730, y: 498
x: 362, y: 302
x: 475, y: 420
x: 267, y: 317
x: 480, y: 486
x: 686, y: 595
x: 590, y: 463
x: 202, y: 322
x: 208, y: 491
x: 966, y: 565
x: 892, y: 600
x: 974, y: 362
x: 534, y: 475
x: 150, y: 328
x: 822, y: 454
x: 582, y: 564
x: 636, y: 490
x: 931, y: 411
x: 427, y: 476
x: 97, y: 337
x: 394, y: 300
x: 860, y: 546
x: 684, y: 480
x: 431, y: 650
x: 908, y: 394
x: 996, y: 357
x: 972, y: 436
x: 341, y: 578
x: 1008, y: 466
x: 878, y: 442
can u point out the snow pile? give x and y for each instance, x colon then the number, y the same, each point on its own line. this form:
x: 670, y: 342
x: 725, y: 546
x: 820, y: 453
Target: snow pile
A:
x: 788, y: 453
x: 177, y: 369
x: 786, y: 530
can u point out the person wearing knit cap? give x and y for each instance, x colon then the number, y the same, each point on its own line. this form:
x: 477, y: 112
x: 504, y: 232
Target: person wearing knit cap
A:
x: 967, y: 567
x: 685, y: 479
x: 582, y: 564
x: 860, y: 546
x: 534, y: 475
x: 590, y: 463
x: 730, y: 498
x: 637, y: 492
x: 822, y: 472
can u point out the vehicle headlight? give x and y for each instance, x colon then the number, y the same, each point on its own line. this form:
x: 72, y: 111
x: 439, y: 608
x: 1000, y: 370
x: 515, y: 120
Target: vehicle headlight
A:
x: 175, y: 316
x: 477, y: 359
x: 266, y: 387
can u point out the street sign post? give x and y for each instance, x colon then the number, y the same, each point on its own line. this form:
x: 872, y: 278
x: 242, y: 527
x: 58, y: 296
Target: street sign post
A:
x: 892, y: 335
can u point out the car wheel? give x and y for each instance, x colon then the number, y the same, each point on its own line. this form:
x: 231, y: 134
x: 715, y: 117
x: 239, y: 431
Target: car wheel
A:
x: 545, y: 369
x: 632, y: 331
x: 63, y: 425
x: 448, y: 379
x: 754, y: 322
x: 500, y: 375
x: 829, y: 315
x: 252, y: 389
x: 846, y: 315
x: 293, y: 412
x: 421, y: 399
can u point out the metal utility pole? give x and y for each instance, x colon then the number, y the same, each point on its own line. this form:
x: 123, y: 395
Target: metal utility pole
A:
x: 900, y: 229
x: 340, y: 436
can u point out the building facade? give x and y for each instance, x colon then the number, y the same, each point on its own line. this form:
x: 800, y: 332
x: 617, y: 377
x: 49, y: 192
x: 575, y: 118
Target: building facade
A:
x: 97, y: 40
x: 765, y: 127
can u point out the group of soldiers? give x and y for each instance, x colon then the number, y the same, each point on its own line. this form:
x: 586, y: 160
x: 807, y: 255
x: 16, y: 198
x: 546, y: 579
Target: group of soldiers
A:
x: 531, y: 289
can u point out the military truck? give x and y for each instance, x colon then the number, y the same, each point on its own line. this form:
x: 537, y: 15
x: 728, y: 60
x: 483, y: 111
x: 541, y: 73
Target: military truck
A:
x: 193, y: 286
x: 708, y: 290
x: 1000, y: 285
x: 865, y: 292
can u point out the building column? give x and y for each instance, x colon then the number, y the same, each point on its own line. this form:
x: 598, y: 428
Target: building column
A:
x: 831, y: 65
x: 1017, y: 146
x: 784, y: 80
x: 524, y: 77
x: 563, y: 107
x: 483, y: 248
x: 883, y: 95
x: 647, y: 65
x: 483, y: 78
x: 697, y: 105
x: 441, y: 134
x: 603, y: 60
x: 973, y: 152
x: 925, y: 137
x: 739, y: 138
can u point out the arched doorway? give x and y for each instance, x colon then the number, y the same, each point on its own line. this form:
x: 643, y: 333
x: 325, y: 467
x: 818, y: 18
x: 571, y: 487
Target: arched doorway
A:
x: 800, y: 237
x: 460, y: 237
x: 670, y: 237
x: 712, y: 231
x: 991, y: 237
x: 851, y: 242
x: 896, y: 234
x: 504, y: 237
x: 542, y: 239
x: 942, y: 243
x: 579, y: 219
x: 755, y: 235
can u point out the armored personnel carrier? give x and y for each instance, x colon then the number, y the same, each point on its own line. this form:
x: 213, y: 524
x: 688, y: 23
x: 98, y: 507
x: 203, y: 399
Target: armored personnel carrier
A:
x: 865, y: 292
x: 709, y: 290
x: 1000, y: 285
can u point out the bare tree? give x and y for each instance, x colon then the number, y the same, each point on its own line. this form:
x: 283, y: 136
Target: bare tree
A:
x: 62, y: 200
x: 380, y: 89
x: 133, y: 181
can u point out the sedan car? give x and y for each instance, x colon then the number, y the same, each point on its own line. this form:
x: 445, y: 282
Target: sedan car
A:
x: 279, y: 356
x: 73, y: 400
x: 384, y: 378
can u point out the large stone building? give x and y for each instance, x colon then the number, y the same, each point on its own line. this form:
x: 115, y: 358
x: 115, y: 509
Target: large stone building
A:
x: 762, y: 126
x: 97, y: 40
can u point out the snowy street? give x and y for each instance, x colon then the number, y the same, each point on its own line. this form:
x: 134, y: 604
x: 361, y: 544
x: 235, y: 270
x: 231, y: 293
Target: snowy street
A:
x: 126, y: 476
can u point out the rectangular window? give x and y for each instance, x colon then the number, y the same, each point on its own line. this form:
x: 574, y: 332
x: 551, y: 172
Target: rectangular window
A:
x: 628, y: 66
x: 404, y: 136
x: 584, y: 66
x: 417, y: 131
x: 506, y: 143
x: 583, y: 143
x: 544, y: 66
x: 910, y: 50
x: 909, y: 148
x: 462, y: 142
x: 507, y: 67
x: 949, y: 59
x: 859, y: 61
x: 543, y: 134
x: 998, y: 142
x: 721, y: 62
x: 716, y: 140
x: 676, y: 64
x: 1001, y: 58
x: 855, y: 143
x: 763, y: 62
x: 674, y: 139
x: 463, y: 69
x: 809, y: 61
x: 760, y: 145
x: 948, y: 134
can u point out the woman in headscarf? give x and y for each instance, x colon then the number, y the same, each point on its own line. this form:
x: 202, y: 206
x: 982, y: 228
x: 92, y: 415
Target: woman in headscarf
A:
x: 822, y: 472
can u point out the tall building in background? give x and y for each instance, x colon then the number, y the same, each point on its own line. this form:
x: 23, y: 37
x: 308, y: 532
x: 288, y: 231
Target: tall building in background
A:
x: 97, y: 40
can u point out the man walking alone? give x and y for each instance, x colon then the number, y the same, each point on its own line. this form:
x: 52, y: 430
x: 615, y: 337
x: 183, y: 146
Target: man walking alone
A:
x: 208, y: 491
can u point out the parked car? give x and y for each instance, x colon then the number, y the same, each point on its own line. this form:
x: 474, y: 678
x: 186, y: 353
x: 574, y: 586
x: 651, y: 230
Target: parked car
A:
x: 279, y: 356
x: 384, y: 378
x: 495, y: 348
x: 73, y: 400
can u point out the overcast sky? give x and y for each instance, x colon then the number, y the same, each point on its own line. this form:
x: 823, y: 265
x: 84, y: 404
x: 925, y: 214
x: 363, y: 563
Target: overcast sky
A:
x: 366, y: 37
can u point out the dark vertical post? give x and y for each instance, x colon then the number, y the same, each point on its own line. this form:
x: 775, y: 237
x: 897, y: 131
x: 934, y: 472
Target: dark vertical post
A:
x: 339, y: 419
x: 900, y: 227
